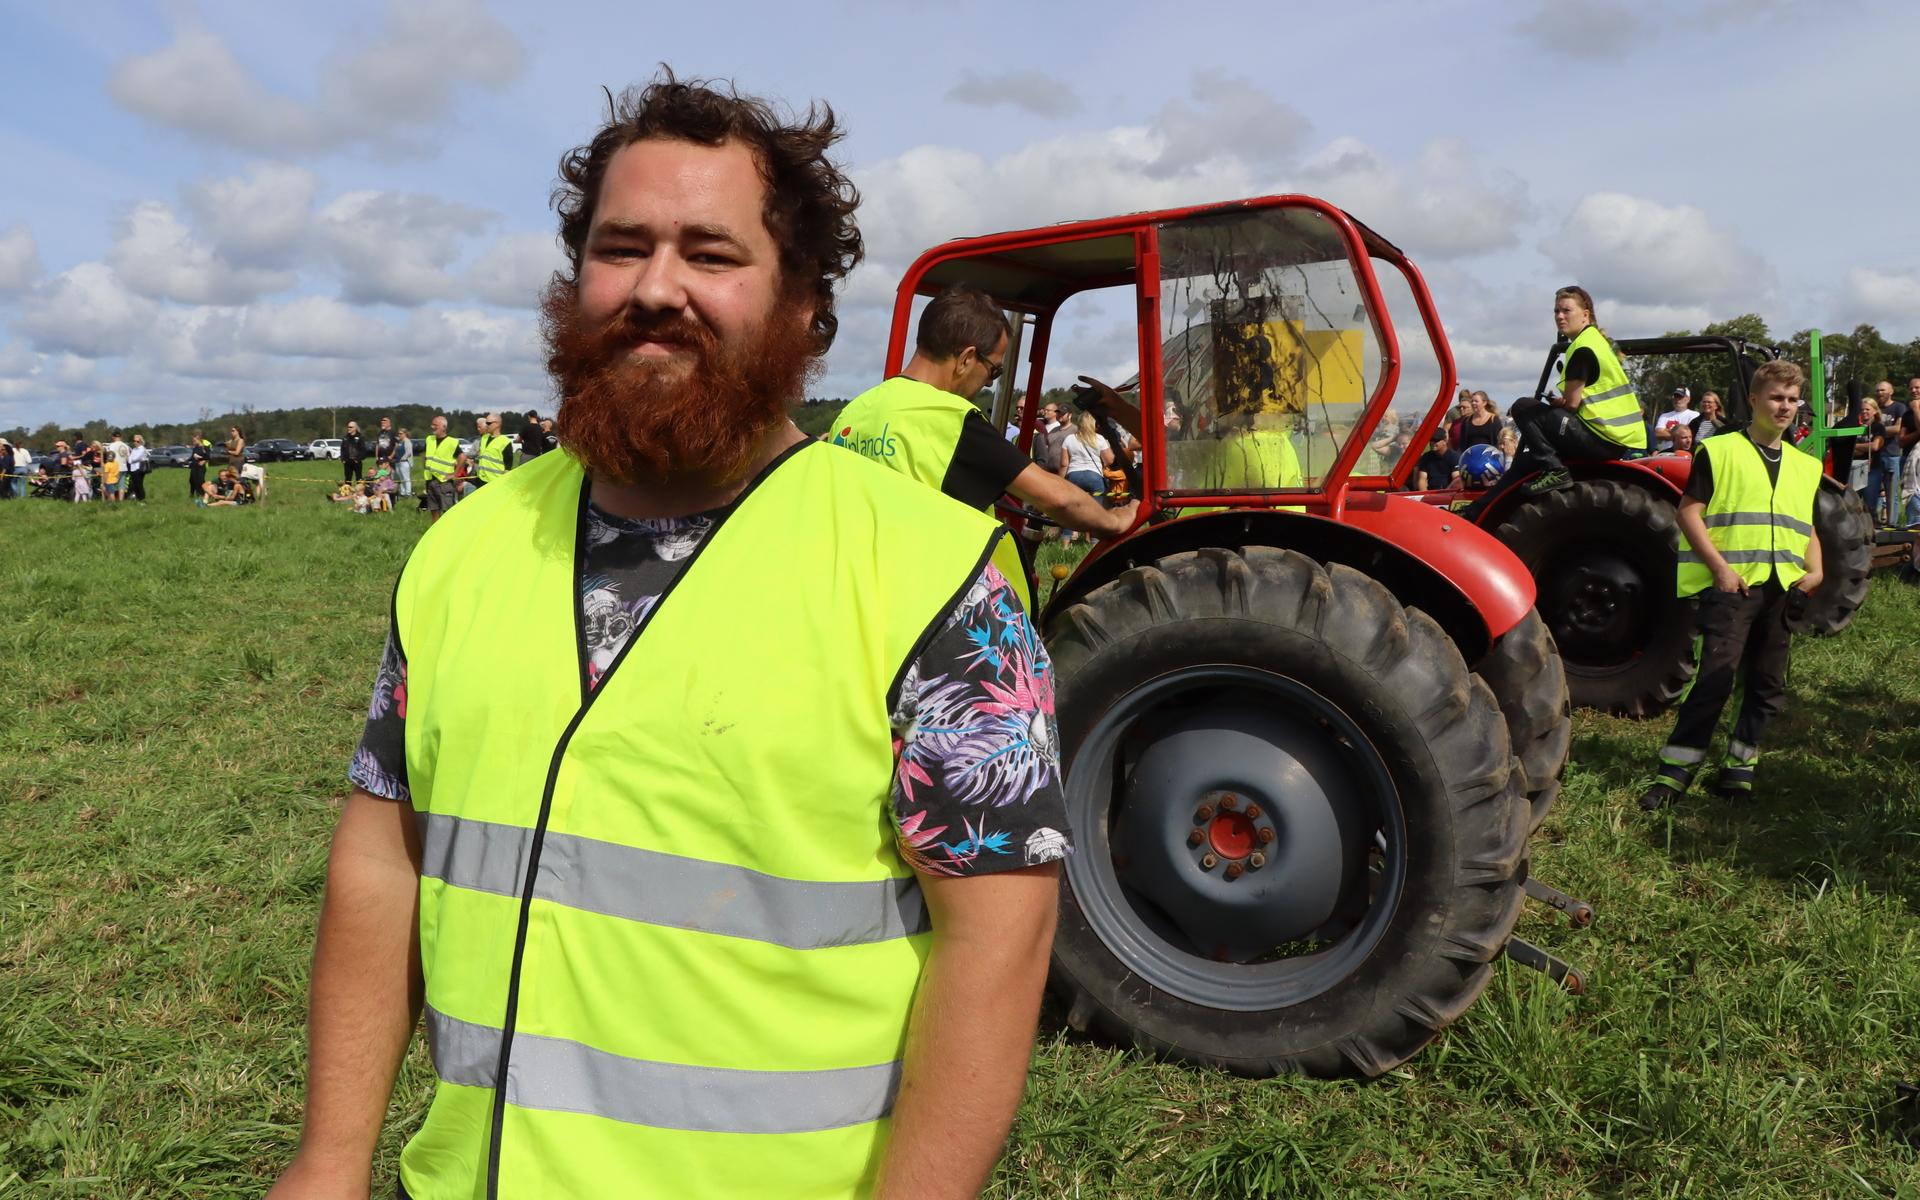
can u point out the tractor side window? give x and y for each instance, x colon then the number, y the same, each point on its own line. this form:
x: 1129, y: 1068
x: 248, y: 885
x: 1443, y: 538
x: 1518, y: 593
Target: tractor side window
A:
x: 1268, y: 351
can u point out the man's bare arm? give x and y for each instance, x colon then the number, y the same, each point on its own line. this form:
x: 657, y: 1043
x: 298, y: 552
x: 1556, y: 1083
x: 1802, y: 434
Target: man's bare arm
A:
x: 366, y: 997
x: 970, y: 1038
x: 1067, y: 505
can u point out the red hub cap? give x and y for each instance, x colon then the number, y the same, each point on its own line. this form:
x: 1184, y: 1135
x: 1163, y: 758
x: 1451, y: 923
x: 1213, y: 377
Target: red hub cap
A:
x: 1232, y: 835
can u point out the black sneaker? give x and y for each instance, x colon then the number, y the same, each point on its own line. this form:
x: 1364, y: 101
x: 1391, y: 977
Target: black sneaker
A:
x: 1657, y: 796
x: 1548, y: 481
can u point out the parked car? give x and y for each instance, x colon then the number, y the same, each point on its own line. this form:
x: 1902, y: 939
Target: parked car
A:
x: 276, y: 450
x: 170, y: 456
x: 324, y: 448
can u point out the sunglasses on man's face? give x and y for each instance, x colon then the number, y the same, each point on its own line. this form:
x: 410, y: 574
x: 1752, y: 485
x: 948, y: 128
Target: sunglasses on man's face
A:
x: 993, y: 368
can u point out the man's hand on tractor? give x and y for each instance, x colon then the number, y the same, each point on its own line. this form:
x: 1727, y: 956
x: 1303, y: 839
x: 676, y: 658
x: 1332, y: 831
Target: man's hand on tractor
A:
x: 1123, y: 518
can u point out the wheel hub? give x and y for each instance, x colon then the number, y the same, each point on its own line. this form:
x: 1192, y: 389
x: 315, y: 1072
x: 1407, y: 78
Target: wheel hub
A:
x: 1595, y: 605
x: 1240, y: 826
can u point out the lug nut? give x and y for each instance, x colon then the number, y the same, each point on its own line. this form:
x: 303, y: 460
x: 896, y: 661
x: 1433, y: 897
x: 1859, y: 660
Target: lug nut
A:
x: 1208, y: 862
x: 1233, y: 870
x: 1265, y: 835
x: 1253, y: 812
x: 1203, y: 813
x: 1256, y: 860
x: 1195, y: 838
x: 1229, y: 802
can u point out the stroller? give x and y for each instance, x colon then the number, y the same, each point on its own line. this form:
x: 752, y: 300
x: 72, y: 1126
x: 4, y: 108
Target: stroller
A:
x: 45, y: 486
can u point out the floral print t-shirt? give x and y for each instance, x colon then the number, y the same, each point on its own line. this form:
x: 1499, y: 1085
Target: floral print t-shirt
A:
x: 976, y: 783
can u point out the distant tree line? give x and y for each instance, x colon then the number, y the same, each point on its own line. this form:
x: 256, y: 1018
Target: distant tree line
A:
x: 1865, y: 355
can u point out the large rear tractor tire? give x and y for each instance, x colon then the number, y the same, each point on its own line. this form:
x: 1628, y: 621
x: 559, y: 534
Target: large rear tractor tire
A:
x: 1603, y: 557
x: 1301, y: 832
x: 1846, y: 555
x: 1530, y: 682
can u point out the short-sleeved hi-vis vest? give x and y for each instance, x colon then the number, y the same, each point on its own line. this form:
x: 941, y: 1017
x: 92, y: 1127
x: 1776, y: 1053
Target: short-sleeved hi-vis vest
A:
x: 1760, y: 526
x: 442, y: 454
x: 914, y: 428
x: 668, y: 939
x: 1609, y: 404
x: 489, y: 456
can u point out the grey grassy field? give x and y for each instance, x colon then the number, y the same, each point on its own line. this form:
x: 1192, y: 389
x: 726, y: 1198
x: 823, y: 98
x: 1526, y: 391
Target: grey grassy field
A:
x: 183, y: 688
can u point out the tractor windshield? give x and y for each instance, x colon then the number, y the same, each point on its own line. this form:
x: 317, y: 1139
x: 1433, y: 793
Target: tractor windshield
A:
x: 1269, y: 354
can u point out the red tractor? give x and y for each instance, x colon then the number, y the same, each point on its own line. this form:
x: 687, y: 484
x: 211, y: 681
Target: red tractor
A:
x: 1307, y: 725
x: 1603, y: 552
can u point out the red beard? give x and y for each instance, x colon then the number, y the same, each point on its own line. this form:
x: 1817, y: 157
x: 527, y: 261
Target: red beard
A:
x: 631, y: 421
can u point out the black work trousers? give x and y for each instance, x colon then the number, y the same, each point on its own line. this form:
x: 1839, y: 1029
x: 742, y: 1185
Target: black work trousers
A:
x: 196, y: 476
x: 136, y: 485
x: 350, y: 467
x: 1548, y: 431
x: 1737, y: 632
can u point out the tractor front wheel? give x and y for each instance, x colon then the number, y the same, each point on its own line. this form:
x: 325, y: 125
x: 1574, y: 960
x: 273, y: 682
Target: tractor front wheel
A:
x: 1302, y: 837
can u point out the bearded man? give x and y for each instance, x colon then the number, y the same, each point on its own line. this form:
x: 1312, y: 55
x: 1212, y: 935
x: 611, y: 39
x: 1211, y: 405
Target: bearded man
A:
x: 745, y: 885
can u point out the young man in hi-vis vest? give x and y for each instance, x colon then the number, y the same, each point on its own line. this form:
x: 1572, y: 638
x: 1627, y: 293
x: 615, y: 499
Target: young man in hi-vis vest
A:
x: 744, y: 883
x: 1752, y: 558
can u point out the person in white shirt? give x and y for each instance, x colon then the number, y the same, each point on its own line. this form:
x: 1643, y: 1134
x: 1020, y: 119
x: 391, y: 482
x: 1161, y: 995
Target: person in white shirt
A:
x: 1084, y: 459
x: 139, y: 460
x: 1681, y: 411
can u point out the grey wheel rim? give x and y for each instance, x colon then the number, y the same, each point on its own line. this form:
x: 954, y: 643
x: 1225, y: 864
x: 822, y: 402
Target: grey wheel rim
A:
x: 1325, y: 760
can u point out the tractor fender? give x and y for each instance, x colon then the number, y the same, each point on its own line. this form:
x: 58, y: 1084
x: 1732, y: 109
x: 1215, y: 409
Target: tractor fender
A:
x: 1665, y: 475
x: 1427, y: 557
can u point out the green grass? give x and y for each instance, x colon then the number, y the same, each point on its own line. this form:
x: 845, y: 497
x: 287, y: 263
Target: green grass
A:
x: 186, y: 685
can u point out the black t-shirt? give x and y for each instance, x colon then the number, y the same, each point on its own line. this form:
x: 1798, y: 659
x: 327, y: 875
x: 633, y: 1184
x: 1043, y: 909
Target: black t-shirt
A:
x: 1700, y: 478
x: 1583, y: 367
x: 533, y: 440
x: 1480, y: 435
x: 383, y: 445
x: 1438, y: 467
x: 984, y: 463
x: 197, y: 455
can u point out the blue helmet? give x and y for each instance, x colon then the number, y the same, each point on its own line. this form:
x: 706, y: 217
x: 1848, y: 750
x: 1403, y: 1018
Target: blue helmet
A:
x: 1482, y: 465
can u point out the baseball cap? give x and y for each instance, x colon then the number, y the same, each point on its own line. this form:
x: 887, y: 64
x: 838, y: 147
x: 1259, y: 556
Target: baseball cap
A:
x: 1680, y: 391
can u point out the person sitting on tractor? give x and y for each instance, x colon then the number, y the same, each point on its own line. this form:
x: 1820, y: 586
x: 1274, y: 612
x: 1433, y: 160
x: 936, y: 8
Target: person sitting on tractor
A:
x: 923, y: 423
x: 1596, y: 415
x: 1754, y: 562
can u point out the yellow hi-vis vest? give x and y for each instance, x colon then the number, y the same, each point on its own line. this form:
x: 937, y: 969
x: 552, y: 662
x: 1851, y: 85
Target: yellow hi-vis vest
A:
x: 1608, y: 405
x: 914, y: 428
x: 442, y: 454
x: 489, y: 458
x: 670, y: 912
x: 1761, y: 528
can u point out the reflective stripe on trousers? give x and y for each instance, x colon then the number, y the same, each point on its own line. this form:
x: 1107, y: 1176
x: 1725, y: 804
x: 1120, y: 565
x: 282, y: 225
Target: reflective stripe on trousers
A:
x: 666, y: 889
x: 558, y: 1075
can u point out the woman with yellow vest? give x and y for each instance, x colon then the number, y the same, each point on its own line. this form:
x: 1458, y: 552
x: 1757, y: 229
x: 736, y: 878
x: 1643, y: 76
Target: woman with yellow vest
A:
x: 1751, y: 556
x: 1595, y: 416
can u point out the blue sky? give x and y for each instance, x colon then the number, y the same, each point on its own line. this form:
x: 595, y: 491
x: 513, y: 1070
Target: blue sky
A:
x: 215, y: 204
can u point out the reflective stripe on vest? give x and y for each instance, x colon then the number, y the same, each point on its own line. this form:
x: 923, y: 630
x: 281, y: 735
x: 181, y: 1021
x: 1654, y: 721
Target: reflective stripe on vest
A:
x: 442, y: 452
x: 566, y: 1076
x: 914, y: 428
x: 665, y: 889
x: 1609, y: 405
x: 672, y: 907
x: 489, y: 457
x: 1760, y: 527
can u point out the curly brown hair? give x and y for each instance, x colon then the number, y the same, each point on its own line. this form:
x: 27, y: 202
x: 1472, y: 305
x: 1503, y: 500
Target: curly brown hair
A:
x: 809, y: 201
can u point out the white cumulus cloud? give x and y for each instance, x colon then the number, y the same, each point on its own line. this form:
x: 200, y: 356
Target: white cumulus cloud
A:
x: 157, y: 256
x: 87, y: 310
x: 19, y: 259
x: 1884, y: 297
x: 261, y: 218
x: 1639, y: 251
x: 1446, y: 205
x: 1033, y: 92
x: 395, y: 247
x: 374, y: 93
x: 515, y: 270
